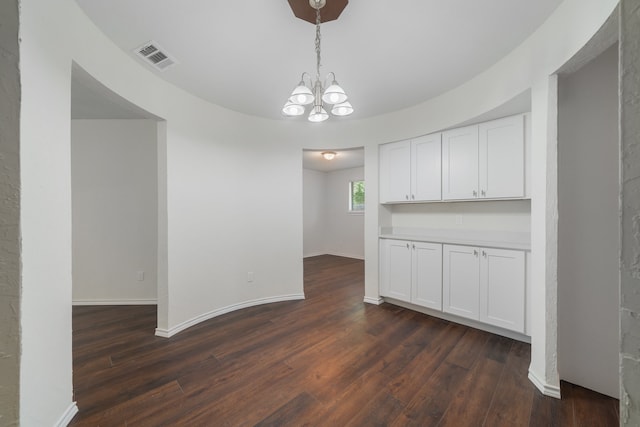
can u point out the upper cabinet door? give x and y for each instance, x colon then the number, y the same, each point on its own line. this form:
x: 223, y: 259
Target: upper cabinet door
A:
x: 460, y: 163
x: 426, y: 168
x: 502, y: 158
x: 395, y: 172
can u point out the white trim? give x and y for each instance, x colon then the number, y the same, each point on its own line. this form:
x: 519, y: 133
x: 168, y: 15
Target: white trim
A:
x: 545, y: 388
x: 374, y: 301
x: 168, y: 333
x: 360, y: 257
x: 68, y: 415
x: 114, y: 302
x: 312, y: 254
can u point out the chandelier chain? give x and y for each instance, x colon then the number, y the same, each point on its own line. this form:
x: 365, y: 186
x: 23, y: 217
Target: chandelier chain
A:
x: 318, y: 39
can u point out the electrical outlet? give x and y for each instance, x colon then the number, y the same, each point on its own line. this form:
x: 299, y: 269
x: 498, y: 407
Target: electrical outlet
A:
x: 250, y: 276
x: 140, y: 276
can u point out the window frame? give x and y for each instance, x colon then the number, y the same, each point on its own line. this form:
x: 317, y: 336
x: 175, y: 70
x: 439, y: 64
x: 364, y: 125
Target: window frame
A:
x: 351, y: 210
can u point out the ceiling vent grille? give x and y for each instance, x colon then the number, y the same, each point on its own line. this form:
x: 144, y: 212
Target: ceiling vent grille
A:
x: 155, y: 56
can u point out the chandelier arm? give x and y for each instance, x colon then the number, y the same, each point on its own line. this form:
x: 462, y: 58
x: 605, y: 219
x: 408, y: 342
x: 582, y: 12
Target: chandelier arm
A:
x: 326, y: 78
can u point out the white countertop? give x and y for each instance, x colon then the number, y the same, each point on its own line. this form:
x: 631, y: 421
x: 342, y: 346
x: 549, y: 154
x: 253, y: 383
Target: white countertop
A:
x: 482, y: 238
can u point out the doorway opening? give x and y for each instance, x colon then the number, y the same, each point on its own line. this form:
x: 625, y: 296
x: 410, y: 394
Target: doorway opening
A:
x: 116, y: 187
x: 333, y: 204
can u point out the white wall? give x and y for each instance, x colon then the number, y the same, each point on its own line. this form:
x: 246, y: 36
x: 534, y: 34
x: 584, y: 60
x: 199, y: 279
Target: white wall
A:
x: 114, y: 181
x: 345, y: 231
x: 213, y: 155
x: 329, y: 227
x: 505, y: 215
x: 588, y: 236
x: 314, y: 191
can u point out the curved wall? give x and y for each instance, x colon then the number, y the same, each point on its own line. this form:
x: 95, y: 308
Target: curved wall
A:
x: 233, y: 182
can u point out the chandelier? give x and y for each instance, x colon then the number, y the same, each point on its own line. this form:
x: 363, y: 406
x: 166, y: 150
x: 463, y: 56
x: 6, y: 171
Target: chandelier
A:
x: 314, y: 92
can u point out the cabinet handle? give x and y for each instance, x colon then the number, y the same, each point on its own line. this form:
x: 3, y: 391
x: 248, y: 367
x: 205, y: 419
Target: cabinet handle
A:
x: 475, y: 193
x: 414, y: 246
x: 484, y: 193
x: 484, y: 254
x: 413, y: 197
x: 475, y: 252
x: 407, y: 246
x: 406, y: 197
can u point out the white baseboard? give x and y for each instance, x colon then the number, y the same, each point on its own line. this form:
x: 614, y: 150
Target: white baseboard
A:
x: 312, y: 254
x: 343, y: 255
x: 375, y: 301
x: 114, y: 302
x: 68, y: 415
x: 545, y: 388
x: 168, y: 333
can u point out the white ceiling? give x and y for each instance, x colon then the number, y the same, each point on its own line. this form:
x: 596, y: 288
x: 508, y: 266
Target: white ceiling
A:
x: 388, y: 55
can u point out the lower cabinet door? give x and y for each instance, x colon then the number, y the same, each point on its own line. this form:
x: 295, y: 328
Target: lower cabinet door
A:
x: 461, y: 280
x: 502, y: 288
x: 427, y: 275
x: 396, y: 269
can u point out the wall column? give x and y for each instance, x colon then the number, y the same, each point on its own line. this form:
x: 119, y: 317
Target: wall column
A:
x: 543, y: 371
x: 10, y: 275
x: 629, y: 66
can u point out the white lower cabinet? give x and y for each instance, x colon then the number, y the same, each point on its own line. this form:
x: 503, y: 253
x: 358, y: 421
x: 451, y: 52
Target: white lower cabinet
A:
x: 461, y: 281
x: 412, y: 272
x: 485, y: 284
x: 502, y: 288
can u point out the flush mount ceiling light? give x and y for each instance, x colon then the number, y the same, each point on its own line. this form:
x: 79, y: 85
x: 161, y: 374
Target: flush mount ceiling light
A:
x: 314, y: 92
x: 329, y: 155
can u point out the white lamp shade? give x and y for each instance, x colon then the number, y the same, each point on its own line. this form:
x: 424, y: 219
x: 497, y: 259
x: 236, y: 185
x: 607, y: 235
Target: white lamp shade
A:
x: 301, y: 95
x: 318, y: 114
x: 334, y: 94
x: 291, y: 109
x: 343, y: 109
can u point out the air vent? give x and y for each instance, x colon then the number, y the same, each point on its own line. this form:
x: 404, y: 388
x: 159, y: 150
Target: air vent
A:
x: 154, y: 55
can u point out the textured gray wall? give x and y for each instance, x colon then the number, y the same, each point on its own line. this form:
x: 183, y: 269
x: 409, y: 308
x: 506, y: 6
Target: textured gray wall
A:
x: 630, y: 221
x: 9, y: 214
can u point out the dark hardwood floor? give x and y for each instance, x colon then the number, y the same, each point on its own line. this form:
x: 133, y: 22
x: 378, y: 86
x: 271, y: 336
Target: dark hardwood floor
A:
x: 328, y: 360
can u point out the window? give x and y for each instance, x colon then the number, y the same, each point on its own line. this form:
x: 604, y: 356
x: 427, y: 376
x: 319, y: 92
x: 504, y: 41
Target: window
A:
x: 356, y: 196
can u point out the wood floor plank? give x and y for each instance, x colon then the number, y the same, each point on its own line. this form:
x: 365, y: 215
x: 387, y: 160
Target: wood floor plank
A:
x: 429, y: 404
x: 469, y: 405
x: 513, y: 399
x: 328, y: 360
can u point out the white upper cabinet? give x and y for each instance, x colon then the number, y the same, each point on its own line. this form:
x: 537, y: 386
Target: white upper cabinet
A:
x: 426, y: 168
x: 410, y: 171
x: 485, y: 161
x: 460, y: 163
x: 501, y: 165
x: 395, y: 172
